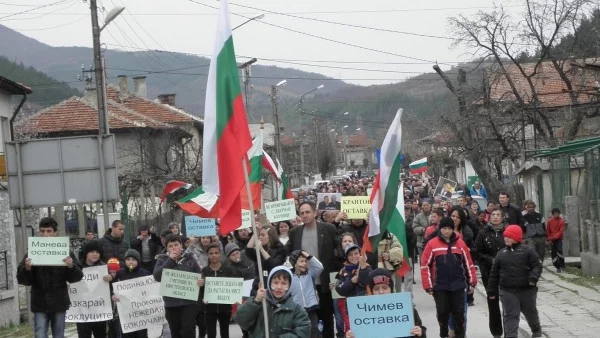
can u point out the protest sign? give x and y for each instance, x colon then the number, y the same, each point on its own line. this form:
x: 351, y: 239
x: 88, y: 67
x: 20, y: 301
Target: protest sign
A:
x: 334, y: 293
x: 329, y: 201
x: 280, y: 210
x: 390, y: 315
x: 247, y: 287
x: 90, y: 298
x: 196, y: 226
x: 140, y: 304
x: 48, y: 250
x: 223, y: 290
x: 356, y: 207
x: 445, y: 188
x: 246, y: 219
x: 179, y: 284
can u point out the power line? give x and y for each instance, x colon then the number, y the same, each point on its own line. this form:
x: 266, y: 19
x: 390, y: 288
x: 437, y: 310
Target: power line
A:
x: 33, y: 9
x: 53, y: 27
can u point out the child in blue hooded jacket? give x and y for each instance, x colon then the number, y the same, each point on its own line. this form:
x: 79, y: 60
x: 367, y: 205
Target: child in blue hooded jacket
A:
x: 306, y: 269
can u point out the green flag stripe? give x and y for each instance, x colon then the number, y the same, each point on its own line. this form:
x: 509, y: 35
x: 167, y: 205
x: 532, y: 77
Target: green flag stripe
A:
x: 389, y: 202
x: 193, y: 194
x: 255, y: 169
x: 227, y: 87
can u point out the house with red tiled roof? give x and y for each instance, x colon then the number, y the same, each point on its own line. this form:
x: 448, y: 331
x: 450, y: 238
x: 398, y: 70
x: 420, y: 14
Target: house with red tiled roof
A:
x: 155, y: 141
x: 357, y: 151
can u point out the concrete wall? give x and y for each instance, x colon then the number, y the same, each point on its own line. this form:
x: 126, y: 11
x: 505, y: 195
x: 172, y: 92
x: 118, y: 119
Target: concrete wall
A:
x: 571, y: 242
x: 9, y: 300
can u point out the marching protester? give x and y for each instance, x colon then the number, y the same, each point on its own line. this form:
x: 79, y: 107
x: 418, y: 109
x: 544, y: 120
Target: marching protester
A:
x: 148, y: 245
x: 305, y: 270
x: 216, y: 312
x: 512, y: 213
x: 113, y: 245
x: 286, y: 318
x: 199, y: 247
x: 488, y: 243
x: 420, y: 222
x: 132, y: 269
x: 180, y: 313
x: 390, y: 255
x: 535, y: 229
x: 446, y: 270
x: 91, y: 253
x: 513, y: 277
x: 339, y: 305
x: 49, y: 289
x: 555, y: 233
x: 272, y: 252
x: 380, y: 282
x: 283, y: 229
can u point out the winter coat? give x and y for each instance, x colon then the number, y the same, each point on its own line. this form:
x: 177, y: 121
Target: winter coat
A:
x: 113, y: 247
x: 534, y: 224
x: 447, y: 265
x: 199, y: 254
x: 389, y: 243
x: 287, y: 319
x: 153, y: 244
x: 223, y: 271
x: 277, y: 256
x: 245, y: 268
x: 482, y: 192
x: 125, y: 274
x: 49, y: 290
x: 187, y: 262
x: 556, y: 229
x: 303, y: 285
x: 344, y: 285
x: 489, y: 242
x: 419, y: 225
x: 513, y: 215
x: 515, y: 268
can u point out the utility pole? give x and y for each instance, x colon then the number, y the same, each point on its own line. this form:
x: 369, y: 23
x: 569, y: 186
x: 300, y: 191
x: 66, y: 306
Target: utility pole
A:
x: 102, y: 120
x: 277, y: 136
x: 246, y: 73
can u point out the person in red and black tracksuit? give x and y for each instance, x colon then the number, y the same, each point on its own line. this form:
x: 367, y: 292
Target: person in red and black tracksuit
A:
x: 446, y: 271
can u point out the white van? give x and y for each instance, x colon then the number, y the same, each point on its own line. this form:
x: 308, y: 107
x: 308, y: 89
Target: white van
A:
x: 317, y: 183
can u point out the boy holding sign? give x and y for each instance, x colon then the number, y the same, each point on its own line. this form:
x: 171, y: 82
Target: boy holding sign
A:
x: 49, y: 291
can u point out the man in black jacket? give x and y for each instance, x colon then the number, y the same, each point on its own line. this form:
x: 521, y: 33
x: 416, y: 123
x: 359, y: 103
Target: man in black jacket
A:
x: 113, y: 245
x: 148, y: 246
x: 320, y: 240
x: 512, y: 213
x: 49, y: 290
x: 514, y: 275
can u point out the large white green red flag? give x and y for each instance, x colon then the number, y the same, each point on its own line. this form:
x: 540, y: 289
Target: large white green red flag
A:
x: 283, y: 187
x: 385, y: 199
x: 226, y: 133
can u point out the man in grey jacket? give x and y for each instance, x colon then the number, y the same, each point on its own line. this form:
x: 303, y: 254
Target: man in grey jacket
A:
x: 421, y: 222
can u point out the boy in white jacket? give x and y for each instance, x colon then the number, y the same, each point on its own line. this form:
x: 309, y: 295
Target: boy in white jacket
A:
x: 305, y: 270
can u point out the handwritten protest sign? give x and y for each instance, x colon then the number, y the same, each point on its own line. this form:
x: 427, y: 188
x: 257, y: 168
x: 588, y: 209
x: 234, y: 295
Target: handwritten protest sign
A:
x: 356, y: 207
x: 246, y: 219
x: 48, y: 250
x: 223, y: 290
x: 334, y: 294
x: 179, y: 284
x: 280, y: 210
x: 140, y: 304
x: 196, y: 226
x: 390, y: 315
x: 90, y: 298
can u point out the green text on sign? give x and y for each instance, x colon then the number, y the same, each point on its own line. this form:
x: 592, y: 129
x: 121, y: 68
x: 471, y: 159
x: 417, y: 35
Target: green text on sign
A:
x: 223, y: 290
x: 179, y: 284
x: 48, y: 250
x: 280, y: 210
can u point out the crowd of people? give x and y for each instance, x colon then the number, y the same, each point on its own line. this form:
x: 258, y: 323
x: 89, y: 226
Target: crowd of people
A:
x: 448, y: 238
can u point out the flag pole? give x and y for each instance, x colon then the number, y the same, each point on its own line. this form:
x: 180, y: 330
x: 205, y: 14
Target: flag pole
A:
x: 256, y: 246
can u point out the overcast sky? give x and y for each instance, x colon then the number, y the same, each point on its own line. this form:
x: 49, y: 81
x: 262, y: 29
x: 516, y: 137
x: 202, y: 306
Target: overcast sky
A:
x: 188, y: 27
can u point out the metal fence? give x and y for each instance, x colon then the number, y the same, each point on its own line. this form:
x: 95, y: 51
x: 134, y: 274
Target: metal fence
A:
x: 561, y: 180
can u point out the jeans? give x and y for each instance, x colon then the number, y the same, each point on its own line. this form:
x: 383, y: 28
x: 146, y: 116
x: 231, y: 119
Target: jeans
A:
x: 339, y: 319
x: 451, y: 320
x: 556, y: 252
x: 182, y: 320
x: 55, y: 320
x: 450, y: 303
x: 325, y: 311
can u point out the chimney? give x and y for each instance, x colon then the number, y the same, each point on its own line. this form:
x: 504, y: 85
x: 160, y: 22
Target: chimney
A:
x: 123, y: 87
x: 139, y: 86
x: 91, y: 96
x: 167, y: 99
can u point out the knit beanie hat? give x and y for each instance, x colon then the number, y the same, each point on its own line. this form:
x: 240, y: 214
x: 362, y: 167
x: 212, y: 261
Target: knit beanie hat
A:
x: 446, y: 222
x: 230, y: 248
x: 134, y: 254
x: 89, y: 247
x: 294, y: 257
x: 380, y: 276
x: 350, y: 248
x: 514, y: 232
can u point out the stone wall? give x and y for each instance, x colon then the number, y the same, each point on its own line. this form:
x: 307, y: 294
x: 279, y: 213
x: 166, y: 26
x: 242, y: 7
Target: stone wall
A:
x: 571, y: 243
x: 9, y: 300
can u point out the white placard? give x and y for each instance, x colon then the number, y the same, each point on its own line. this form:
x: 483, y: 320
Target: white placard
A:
x: 140, y: 304
x: 90, y: 298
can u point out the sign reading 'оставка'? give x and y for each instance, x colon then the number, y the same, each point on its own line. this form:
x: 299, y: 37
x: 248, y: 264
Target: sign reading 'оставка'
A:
x: 179, y: 284
x: 223, y: 290
x: 48, y: 250
x: 280, y: 210
x: 390, y: 315
x: 356, y: 207
x: 196, y: 226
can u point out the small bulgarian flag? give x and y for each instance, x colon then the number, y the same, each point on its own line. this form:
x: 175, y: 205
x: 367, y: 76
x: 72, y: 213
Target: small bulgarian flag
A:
x: 173, y: 186
x: 255, y: 154
x: 283, y: 187
x: 200, y: 203
x: 419, y: 166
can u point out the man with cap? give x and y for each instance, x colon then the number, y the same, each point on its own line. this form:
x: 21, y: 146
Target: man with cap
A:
x: 238, y: 262
x: 514, y: 276
x: 446, y: 270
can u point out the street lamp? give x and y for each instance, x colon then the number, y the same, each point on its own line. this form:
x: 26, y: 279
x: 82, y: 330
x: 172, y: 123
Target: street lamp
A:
x: 258, y: 17
x: 112, y: 14
x: 277, y: 137
x: 301, y: 111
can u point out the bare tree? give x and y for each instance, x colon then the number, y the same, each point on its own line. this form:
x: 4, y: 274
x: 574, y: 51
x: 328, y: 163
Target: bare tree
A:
x: 517, y: 56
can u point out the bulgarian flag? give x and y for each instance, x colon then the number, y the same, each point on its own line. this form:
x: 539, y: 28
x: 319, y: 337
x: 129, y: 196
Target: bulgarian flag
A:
x: 283, y: 187
x: 385, y: 198
x: 269, y: 165
x: 418, y: 167
x: 255, y: 154
x: 173, y: 186
x: 199, y: 203
x: 226, y: 135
